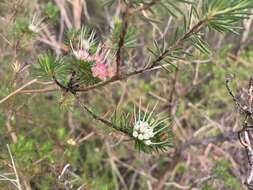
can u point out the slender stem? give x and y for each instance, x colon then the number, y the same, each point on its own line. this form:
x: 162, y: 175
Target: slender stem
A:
x: 59, y: 84
x: 113, y: 79
x: 42, y: 90
x: 173, y: 89
x: 18, y: 90
x: 97, y: 117
x: 246, y: 110
x: 145, y: 7
x: 14, y: 168
x: 122, y: 39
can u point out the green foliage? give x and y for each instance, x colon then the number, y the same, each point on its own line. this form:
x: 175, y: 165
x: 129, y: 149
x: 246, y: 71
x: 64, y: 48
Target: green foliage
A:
x: 50, y: 10
x: 130, y: 37
x: 221, y: 170
x: 50, y: 66
x: 83, y: 71
x: 20, y: 26
x: 168, y: 63
x: 174, y: 8
x: 2, y: 120
x: 179, y: 169
x: 4, y: 90
x: 61, y: 133
x: 121, y: 122
x: 222, y: 173
x: 170, y: 7
x: 207, y: 187
x: 200, y: 44
x: 24, y: 150
x: 223, y: 15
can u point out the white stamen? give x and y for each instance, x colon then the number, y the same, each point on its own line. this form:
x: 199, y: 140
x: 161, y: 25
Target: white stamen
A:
x: 144, y: 118
x: 150, y: 114
x: 139, y: 116
x: 134, y: 114
x: 154, y: 125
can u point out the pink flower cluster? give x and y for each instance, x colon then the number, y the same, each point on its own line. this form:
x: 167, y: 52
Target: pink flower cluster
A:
x: 99, y: 68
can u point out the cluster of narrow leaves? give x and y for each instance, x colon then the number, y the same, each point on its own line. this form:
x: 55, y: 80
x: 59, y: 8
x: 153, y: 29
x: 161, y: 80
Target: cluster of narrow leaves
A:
x: 219, y: 15
x: 224, y: 15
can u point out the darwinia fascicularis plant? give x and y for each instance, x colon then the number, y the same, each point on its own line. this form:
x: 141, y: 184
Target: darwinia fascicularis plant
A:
x: 90, y: 59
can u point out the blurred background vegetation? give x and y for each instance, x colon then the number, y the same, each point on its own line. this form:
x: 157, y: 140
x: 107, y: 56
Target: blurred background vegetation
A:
x: 45, y: 135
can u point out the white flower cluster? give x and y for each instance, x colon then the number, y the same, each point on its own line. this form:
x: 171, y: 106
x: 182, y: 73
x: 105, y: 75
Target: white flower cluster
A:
x: 143, y: 131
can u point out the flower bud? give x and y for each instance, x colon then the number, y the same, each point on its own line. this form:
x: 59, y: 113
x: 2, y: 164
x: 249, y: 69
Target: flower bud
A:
x: 140, y: 137
x: 148, y: 142
x: 135, y: 134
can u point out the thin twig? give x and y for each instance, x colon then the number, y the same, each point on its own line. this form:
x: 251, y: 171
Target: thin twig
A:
x: 5, y: 39
x: 122, y: 38
x: 18, y: 90
x: 145, y: 7
x: 173, y: 89
x: 97, y: 117
x: 14, y: 168
x: 42, y: 90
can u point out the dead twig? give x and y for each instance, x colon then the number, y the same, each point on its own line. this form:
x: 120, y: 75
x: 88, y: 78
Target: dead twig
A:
x: 122, y: 38
x: 18, y: 90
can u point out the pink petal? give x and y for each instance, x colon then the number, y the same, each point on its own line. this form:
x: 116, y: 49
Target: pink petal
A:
x: 99, y: 70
